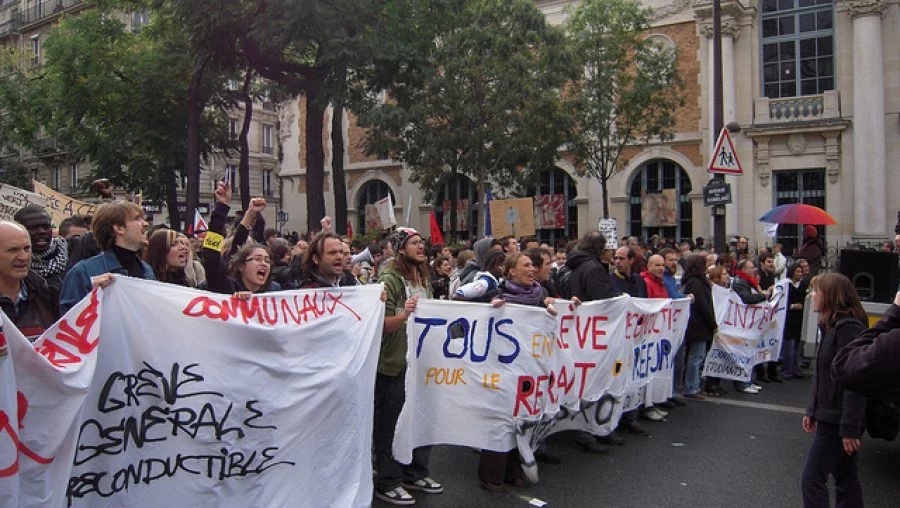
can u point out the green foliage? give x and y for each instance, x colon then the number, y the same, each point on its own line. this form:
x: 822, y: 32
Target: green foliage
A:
x: 482, y: 96
x: 629, y: 89
x: 113, y: 97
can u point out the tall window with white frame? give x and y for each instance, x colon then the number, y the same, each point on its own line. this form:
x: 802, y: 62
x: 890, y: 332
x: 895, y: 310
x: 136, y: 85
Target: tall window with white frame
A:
x: 797, y: 47
x: 267, y: 139
x: 73, y: 177
x: 35, y: 50
x: 232, y: 129
x: 55, y: 178
x: 659, y: 202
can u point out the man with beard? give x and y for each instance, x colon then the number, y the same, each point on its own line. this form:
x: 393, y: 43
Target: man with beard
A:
x: 406, y: 281
x: 120, y: 230
x: 25, y: 297
x: 323, y: 263
x: 49, y: 255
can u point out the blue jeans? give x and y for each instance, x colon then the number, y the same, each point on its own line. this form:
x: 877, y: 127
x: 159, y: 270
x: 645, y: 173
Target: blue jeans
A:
x: 790, y: 361
x: 696, y: 353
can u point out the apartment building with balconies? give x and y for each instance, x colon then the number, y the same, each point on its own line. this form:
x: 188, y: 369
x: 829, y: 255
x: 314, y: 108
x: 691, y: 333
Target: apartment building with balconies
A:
x: 25, y: 24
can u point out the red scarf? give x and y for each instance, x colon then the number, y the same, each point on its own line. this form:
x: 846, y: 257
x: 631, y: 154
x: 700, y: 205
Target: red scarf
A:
x: 750, y: 280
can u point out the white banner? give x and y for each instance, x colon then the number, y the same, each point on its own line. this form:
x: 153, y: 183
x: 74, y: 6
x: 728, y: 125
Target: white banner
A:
x: 748, y: 334
x: 12, y: 199
x: 193, y: 399
x: 497, y: 378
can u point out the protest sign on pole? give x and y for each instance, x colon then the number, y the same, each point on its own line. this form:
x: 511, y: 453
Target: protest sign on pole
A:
x: 61, y: 206
x: 195, y: 399
x: 749, y: 334
x: 385, y: 208
x: 12, y: 199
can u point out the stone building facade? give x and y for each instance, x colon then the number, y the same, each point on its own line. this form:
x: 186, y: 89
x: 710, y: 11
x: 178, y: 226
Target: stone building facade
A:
x: 814, y: 85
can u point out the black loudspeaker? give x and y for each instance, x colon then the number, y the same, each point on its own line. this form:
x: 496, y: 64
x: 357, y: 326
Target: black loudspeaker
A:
x: 875, y: 274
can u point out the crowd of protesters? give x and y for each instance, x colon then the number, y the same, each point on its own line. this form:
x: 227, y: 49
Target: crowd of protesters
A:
x: 44, y: 273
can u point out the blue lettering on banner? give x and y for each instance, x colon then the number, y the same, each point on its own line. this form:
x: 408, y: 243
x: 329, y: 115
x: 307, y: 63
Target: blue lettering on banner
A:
x: 461, y: 336
x: 651, y: 357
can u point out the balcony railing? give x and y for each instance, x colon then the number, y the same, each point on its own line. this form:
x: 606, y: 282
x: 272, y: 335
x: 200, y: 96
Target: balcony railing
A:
x: 804, y: 108
x: 44, y: 9
x: 8, y: 27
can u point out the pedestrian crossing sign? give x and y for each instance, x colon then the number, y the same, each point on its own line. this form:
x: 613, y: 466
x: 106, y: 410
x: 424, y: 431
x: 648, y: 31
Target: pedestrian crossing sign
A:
x: 724, y: 159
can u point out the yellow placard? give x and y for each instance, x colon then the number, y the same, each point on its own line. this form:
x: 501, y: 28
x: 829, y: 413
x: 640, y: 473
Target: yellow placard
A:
x: 213, y: 241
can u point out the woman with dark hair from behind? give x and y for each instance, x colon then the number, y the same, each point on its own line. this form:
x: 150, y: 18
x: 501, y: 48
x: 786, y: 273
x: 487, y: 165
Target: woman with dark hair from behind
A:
x: 250, y: 268
x: 702, y: 323
x: 834, y: 414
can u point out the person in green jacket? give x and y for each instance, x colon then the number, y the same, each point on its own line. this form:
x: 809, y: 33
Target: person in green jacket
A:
x: 406, y: 280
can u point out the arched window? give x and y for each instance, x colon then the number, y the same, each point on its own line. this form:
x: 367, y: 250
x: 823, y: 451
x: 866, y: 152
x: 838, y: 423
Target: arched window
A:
x: 371, y: 192
x: 556, y: 182
x: 659, y: 202
x: 463, y: 191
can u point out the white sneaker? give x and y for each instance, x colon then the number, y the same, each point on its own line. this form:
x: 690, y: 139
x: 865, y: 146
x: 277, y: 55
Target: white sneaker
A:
x: 750, y: 389
x: 654, y: 415
x: 398, y: 497
x: 756, y: 387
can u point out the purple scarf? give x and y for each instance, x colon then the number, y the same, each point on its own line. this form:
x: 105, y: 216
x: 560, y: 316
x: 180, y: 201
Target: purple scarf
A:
x: 532, y: 295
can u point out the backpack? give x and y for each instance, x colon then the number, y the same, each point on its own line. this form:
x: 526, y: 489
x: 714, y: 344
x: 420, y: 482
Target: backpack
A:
x: 882, y: 418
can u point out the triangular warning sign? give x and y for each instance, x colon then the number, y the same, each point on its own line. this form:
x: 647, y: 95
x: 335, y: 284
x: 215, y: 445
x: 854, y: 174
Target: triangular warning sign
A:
x: 724, y: 159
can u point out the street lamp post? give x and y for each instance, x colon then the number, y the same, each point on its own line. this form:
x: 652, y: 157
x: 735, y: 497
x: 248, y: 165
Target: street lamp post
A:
x: 718, y: 107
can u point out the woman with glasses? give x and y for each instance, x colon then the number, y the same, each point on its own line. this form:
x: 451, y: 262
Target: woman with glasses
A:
x: 250, y: 267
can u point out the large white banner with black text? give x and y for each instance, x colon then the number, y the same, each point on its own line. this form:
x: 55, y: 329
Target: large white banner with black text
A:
x: 148, y: 394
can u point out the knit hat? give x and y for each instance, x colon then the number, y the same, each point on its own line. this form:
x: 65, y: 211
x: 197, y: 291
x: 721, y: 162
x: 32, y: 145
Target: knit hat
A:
x: 399, y: 237
x: 810, y: 232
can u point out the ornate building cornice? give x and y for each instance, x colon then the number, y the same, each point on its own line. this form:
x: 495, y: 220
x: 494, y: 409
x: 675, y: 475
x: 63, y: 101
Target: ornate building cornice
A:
x: 735, y: 16
x: 859, y: 8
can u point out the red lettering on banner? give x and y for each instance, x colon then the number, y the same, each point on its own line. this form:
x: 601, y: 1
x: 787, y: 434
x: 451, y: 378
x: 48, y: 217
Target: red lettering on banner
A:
x: 525, y: 389
x: 6, y: 427
x: 269, y: 310
x: 78, y: 336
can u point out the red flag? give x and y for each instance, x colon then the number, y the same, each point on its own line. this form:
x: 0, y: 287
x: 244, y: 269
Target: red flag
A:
x: 436, y: 235
x: 349, y: 230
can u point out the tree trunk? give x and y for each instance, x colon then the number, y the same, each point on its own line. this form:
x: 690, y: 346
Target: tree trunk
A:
x: 315, y: 157
x: 482, y: 204
x: 339, y: 182
x: 195, y: 107
x: 605, y: 197
x: 244, y: 164
x: 172, y: 203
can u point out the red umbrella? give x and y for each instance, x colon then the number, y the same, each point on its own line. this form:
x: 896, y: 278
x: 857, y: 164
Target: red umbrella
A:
x: 798, y: 214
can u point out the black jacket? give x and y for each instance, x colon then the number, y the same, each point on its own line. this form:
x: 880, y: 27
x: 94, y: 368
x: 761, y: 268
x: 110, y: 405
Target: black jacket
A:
x: 829, y: 401
x: 589, y: 279
x: 41, y: 308
x: 749, y: 294
x: 871, y: 363
x: 702, y: 323
x: 793, y: 323
x: 632, y: 285
x: 217, y: 279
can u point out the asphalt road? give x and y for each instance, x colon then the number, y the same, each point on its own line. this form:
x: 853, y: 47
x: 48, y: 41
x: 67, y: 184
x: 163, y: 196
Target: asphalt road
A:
x: 734, y: 451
